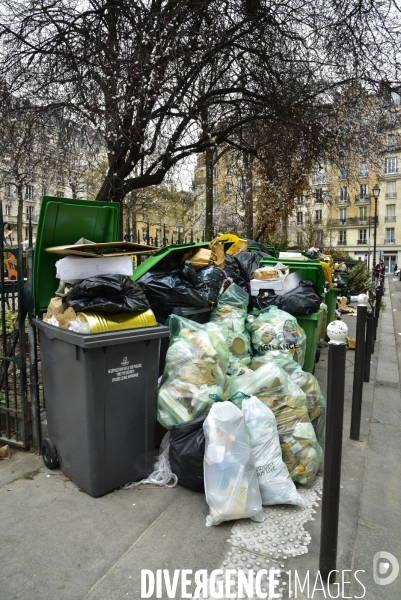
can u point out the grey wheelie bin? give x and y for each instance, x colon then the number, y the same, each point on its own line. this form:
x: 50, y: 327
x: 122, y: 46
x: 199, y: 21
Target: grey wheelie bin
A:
x: 100, y: 389
x: 101, y: 395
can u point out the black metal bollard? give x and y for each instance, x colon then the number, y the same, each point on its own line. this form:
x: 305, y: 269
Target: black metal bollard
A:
x: 377, y: 309
x: 337, y: 331
x: 368, y: 345
x: 358, y: 367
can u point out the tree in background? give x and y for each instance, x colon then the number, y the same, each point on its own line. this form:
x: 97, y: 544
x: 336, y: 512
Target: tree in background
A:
x: 164, y: 79
x: 24, y: 155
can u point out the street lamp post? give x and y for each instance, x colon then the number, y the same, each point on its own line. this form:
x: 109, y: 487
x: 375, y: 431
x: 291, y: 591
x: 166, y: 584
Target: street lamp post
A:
x: 376, y: 192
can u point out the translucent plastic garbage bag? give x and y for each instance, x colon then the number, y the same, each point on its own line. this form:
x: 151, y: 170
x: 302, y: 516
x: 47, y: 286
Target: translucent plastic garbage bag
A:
x: 275, y: 483
x: 276, y: 329
x: 308, y: 383
x: 232, y: 308
x: 274, y: 387
x: 196, y: 365
x: 231, y: 483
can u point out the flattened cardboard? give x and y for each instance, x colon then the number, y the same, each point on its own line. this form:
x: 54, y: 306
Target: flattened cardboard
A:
x: 104, y: 249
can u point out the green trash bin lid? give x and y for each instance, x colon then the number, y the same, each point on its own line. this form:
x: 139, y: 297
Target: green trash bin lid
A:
x: 65, y: 221
x: 174, y: 251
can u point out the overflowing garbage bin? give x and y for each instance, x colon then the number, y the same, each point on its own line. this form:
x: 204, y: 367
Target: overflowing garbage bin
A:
x: 100, y: 388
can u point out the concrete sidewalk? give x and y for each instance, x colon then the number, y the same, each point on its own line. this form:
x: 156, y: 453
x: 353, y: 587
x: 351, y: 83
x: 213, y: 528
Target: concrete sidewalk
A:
x: 59, y: 543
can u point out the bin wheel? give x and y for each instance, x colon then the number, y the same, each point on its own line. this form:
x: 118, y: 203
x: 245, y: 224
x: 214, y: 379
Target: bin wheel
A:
x: 317, y: 355
x: 49, y: 454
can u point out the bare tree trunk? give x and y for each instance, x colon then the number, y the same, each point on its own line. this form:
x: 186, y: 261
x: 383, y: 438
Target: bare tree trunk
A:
x: 248, y: 195
x: 20, y: 214
x: 209, y: 194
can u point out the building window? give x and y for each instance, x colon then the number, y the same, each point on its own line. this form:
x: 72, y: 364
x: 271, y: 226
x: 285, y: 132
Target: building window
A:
x: 363, y: 170
x: 229, y: 188
x: 299, y: 218
x: 215, y: 190
x: 343, y: 172
x: 318, y: 177
x: 391, y: 140
x: 215, y: 172
x: 29, y: 212
x: 391, y: 189
x: 390, y: 212
x: 389, y: 236
x: 362, y: 213
x: 363, y: 190
x: 362, y: 236
x: 29, y: 192
x: 390, y: 165
x: 7, y: 190
x: 228, y: 171
x: 342, y: 236
x: 299, y: 200
x: 342, y: 215
x: 59, y: 179
x: 343, y: 193
x: 319, y: 195
x: 299, y: 238
x: 59, y: 194
x: 8, y: 210
x: 318, y: 216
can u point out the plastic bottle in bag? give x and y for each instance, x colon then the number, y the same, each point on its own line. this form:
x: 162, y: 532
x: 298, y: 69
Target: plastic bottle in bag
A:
x: 196, y: 365
x: 276, y: 329
x: 231, y: 483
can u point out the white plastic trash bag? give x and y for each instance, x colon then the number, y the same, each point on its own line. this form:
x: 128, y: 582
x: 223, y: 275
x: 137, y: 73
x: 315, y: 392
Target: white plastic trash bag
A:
x: 275, y: 483
x: 231, y: 484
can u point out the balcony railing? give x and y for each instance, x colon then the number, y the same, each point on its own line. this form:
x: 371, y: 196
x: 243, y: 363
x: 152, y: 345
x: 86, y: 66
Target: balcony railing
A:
x: 341, y: 242
x: 362, y: 242
x: 389, y: 241
x: 361, y: 199
x: 391, y: 194
x: 394, y: 218
x: 351, y: 222
x: 343, y: 199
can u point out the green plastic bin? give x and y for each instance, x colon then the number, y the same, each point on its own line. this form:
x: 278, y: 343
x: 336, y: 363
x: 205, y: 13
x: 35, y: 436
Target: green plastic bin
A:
x: 311, y: 269
x: 175, y: 251
x: 312, y: 326
x: 345, y: 278
x: 64, y: 221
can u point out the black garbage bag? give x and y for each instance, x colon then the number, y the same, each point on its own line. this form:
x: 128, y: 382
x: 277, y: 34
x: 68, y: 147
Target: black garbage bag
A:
x: 107, y: 293
x: 171, y: 284
x: 248, y: 263
x: 302, y: 300
x: 232, y: 270
x: 261, y: 246
x: 189, y: 273
x: 187, y: 449
x: 213, y: 278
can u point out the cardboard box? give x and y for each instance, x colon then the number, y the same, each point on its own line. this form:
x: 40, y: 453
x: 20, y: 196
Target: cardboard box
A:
x: 106, y: 249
